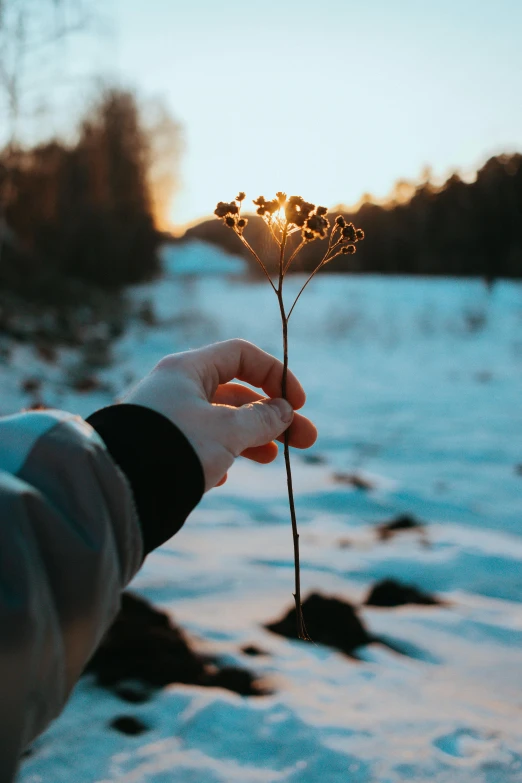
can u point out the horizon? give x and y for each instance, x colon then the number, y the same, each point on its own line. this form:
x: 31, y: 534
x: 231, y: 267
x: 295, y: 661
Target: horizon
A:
x: 338, y: 107
x: 389, y: 200
x: 414, y: 88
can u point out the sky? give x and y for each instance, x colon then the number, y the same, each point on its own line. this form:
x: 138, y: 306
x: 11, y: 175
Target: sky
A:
x: 330, y: 99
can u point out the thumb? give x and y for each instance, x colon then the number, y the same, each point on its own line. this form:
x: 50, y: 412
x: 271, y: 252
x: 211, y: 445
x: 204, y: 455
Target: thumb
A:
x: 261, y: 422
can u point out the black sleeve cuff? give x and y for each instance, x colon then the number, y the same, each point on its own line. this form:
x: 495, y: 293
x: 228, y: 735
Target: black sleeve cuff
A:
x: 163, y: 469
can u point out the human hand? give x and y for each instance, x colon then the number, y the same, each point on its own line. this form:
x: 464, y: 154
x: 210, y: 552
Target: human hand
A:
x: 223, y: 420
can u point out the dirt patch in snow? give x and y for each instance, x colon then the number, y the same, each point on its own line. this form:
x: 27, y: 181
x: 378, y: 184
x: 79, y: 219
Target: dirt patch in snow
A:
x: 145, y: 646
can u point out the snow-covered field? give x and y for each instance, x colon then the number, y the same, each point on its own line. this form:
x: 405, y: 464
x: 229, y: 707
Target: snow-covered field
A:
x: 414, y: 384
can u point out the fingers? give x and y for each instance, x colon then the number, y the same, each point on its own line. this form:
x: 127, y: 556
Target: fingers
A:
x: 222, y: 362
x: 256, y: 424
x: 303, y: 432
x: 262, y: 454
x: 235, y: 394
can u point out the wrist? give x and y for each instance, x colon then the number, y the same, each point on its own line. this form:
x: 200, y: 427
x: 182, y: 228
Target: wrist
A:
x: 162, y: 467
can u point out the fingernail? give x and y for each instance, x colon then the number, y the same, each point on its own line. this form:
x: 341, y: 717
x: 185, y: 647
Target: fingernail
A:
x: 285, y: 410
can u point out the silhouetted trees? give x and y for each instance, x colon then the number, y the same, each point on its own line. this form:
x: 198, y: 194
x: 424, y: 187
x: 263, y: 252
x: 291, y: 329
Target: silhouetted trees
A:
x: 457, y: 229
x: 83, y: 210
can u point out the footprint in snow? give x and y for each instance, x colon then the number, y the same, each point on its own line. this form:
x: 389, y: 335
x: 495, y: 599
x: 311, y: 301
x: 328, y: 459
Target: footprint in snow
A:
x: 128, y: 724
x: 465, y: 743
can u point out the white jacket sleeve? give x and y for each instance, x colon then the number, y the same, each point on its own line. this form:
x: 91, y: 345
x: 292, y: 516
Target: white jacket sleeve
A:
x: 70, y: 541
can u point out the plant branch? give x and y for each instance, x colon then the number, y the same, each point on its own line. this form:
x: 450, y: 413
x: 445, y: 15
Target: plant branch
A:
x: 294, y: 254
x: 263, y: 267
x: 304, y: 286
x: 325, y: 260
x: 278, y: 242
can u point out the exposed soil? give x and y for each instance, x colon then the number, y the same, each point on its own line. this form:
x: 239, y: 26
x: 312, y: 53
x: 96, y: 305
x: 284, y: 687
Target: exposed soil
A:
x: 146, y: 646
x: 389, y: 592
x: 331, y: 621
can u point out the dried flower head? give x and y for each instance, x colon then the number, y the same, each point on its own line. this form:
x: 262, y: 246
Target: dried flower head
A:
x: 224, y: 208
x: 262, y: 206
x: 295, y: 201
x: 348, y: 232
x: 317, y: 224
x: 297, y: 211
x: 272, y: 206
x: 294, y: 215
x: 286, y: 214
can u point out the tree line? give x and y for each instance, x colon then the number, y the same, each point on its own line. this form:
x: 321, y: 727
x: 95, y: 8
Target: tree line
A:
x: 458, y: 228
x: 84, y: 210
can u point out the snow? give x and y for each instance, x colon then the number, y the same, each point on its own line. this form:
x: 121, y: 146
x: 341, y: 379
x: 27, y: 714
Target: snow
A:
x: 416, y: 384
x: 192, y: 258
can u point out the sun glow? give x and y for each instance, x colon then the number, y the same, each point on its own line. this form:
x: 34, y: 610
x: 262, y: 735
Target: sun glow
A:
x: 280, y: 216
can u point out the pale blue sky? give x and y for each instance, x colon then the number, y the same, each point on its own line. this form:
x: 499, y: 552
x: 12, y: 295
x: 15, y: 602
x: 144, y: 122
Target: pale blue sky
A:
x: 327, y: 99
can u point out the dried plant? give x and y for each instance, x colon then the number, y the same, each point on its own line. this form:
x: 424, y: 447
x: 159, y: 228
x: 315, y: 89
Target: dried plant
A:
x: 285, y: 216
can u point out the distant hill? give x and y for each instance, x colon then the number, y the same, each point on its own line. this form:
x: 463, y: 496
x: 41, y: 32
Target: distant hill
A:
x: 459, y: 228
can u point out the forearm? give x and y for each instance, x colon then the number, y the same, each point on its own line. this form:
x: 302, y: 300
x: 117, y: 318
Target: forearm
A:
x: 78, y: 512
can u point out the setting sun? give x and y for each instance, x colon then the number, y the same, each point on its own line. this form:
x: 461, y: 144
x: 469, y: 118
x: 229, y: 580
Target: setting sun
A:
x: 280, y: 216
x: 357, y: 115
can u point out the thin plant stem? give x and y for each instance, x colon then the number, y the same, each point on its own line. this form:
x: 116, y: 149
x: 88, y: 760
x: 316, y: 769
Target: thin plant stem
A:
x: 263, y: 267
x: 303, y: 288
x: 301, y: 628
x: 294, y: 254
x: 318, y: 267
x: 274, y: 234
